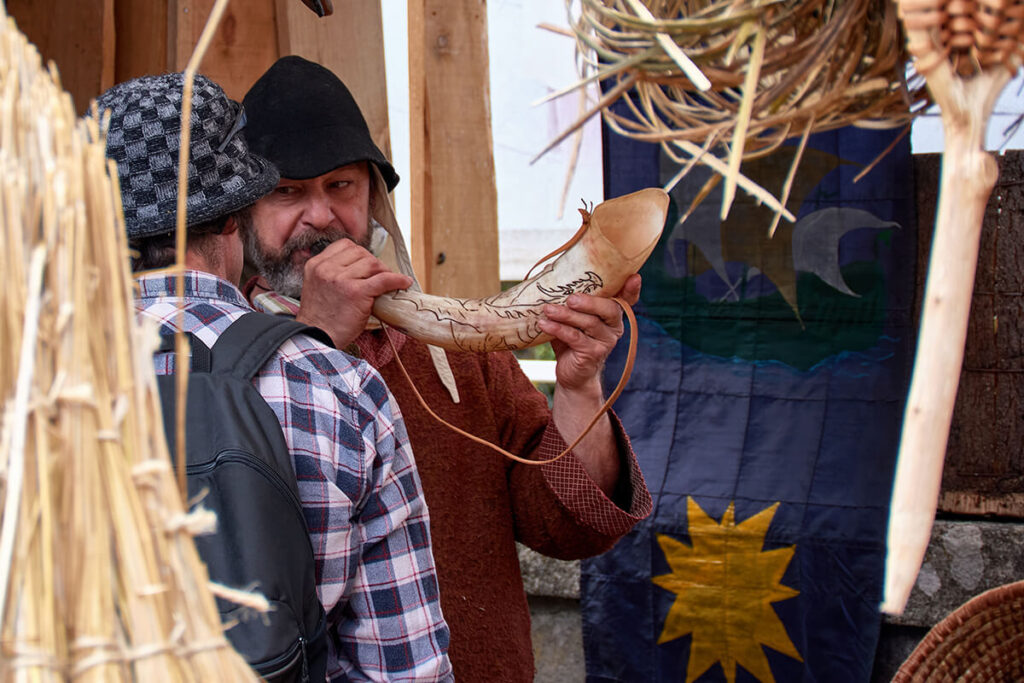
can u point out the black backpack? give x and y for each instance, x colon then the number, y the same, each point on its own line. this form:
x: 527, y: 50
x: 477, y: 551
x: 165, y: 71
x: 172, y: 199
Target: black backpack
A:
x: 238, y: 466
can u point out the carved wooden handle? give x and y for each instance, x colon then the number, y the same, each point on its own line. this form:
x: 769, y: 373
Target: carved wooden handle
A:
x: 968, y: 176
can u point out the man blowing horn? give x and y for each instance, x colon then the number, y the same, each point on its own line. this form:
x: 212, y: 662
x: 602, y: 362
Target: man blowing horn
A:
x: 357, y: 483
x: 314, y: 242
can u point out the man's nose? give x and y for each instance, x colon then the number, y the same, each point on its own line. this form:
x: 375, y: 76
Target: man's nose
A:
x: 318, y: 213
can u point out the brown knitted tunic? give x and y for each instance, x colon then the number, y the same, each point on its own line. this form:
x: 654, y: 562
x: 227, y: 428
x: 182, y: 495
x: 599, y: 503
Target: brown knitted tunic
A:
x: 480, y: 502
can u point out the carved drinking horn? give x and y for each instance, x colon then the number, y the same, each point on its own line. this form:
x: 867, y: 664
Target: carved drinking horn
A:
x: 619, y: 236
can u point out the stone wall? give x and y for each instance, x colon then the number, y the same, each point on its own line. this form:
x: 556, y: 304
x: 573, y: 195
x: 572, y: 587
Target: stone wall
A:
x: 553, y: 589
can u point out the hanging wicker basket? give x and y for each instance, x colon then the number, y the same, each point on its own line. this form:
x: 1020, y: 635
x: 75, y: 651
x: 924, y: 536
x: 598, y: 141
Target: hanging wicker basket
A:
x: 982, y: 640
x: 718, y: 82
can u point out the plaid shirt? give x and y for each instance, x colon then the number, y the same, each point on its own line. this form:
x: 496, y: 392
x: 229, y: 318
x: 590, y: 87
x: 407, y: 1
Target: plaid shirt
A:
x: 358, y: 485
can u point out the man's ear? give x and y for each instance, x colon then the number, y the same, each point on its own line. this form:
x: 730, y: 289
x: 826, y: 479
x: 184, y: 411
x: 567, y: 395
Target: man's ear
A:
x: 230, y: 225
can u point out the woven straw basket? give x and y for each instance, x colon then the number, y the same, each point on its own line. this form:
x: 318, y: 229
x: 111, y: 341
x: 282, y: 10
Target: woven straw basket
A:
x: 982, y: 640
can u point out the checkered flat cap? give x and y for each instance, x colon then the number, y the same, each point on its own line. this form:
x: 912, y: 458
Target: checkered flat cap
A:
x: 143, y: 138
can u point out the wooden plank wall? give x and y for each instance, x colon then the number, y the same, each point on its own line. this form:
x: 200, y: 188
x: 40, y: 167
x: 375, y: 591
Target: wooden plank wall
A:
x: 78, y: 36
x: 97, y: 43
x: 243, y: 48
x: 984, y: 469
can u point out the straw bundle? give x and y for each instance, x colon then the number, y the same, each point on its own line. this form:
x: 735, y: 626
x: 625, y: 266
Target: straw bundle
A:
x: 735, y: 78
x: 99, y: 577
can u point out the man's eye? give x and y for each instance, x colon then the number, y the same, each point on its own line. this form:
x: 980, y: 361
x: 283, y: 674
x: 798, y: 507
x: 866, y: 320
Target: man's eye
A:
x: 284, y: 190
x: 340, y: 184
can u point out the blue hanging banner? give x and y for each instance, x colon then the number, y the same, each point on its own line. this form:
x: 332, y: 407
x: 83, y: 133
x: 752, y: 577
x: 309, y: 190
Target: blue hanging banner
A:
x: 765, y: 407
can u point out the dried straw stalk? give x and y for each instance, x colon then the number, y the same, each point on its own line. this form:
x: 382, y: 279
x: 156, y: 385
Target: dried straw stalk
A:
x: 773, y: 69
x: 967, y: 53
x: 99, y: 577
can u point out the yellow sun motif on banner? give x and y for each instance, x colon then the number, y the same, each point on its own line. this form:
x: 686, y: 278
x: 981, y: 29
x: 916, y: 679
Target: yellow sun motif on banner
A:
x: 724, y: 585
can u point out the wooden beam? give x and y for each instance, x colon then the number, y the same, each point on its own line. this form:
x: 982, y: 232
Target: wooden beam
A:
x: 141, y: 31
x: 978, y: 504
x: 78, y: 36
x: 454, y: 200
x: 351, y: 44
x: 243, y: 48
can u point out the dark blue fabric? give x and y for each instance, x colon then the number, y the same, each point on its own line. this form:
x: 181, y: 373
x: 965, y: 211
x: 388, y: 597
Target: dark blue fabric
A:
x: 739, y: 400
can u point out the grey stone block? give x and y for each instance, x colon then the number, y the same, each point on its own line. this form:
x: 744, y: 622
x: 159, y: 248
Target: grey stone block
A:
x: 557, y: 640
x: 964, y: 558
x: 547, y: 577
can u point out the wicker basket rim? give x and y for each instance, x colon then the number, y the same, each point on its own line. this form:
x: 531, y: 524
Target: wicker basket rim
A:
x: 941, y: 655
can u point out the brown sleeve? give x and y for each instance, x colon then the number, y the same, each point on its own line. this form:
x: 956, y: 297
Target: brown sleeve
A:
x: 559, y: 510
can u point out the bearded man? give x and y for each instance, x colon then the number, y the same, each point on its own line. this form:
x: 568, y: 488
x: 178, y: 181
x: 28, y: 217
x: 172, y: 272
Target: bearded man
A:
x: 315, y: 242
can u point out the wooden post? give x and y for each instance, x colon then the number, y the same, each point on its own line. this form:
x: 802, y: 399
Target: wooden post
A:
x: 78, y: 35
x: 350, y: 43
x: 243, y: 48
x: 453, y: 196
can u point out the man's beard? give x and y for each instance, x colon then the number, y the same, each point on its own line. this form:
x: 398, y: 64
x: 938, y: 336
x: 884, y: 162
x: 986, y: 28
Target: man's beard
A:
x: 277, y: 267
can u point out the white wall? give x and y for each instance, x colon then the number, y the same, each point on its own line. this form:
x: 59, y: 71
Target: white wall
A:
x: 926, y: 135
x: 526, y: 64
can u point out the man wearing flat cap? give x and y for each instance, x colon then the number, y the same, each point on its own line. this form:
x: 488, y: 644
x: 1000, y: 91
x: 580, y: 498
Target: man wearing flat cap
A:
x: 325, y: 243
x: 357, y: 482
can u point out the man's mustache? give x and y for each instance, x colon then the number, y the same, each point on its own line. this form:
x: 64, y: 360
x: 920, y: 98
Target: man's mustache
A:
x: 314, y: 242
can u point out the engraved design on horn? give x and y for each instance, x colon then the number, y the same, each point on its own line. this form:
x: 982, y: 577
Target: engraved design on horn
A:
x: 619, y: 236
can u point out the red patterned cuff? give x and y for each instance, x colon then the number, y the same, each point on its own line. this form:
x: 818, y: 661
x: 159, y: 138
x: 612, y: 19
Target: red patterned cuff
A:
x: 589, y: 505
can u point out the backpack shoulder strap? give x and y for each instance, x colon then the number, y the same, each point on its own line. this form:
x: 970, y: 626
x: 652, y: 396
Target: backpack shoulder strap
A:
x: 201, y: 359
x: 243, y: 348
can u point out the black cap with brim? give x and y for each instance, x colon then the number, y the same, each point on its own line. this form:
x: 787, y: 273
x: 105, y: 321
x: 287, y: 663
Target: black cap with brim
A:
x: 303, y: 119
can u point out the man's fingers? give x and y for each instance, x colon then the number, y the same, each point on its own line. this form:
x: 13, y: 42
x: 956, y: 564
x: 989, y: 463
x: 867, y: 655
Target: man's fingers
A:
x: 346, y: 264
x: 342, y: 252
x: 387, y: 282
x: 630, y: 292
x: 336, y: 274
x: 605, y: 309
x: 599, y: 318
x: 575, y: 338
x: 580, y: 357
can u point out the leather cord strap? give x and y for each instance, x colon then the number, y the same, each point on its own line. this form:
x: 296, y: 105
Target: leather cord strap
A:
x: 626, y: 372
x: 577, y: 236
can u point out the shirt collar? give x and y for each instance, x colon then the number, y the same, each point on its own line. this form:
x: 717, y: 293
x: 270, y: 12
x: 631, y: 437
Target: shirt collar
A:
x: 267, y: 300
x: 199, y: 285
